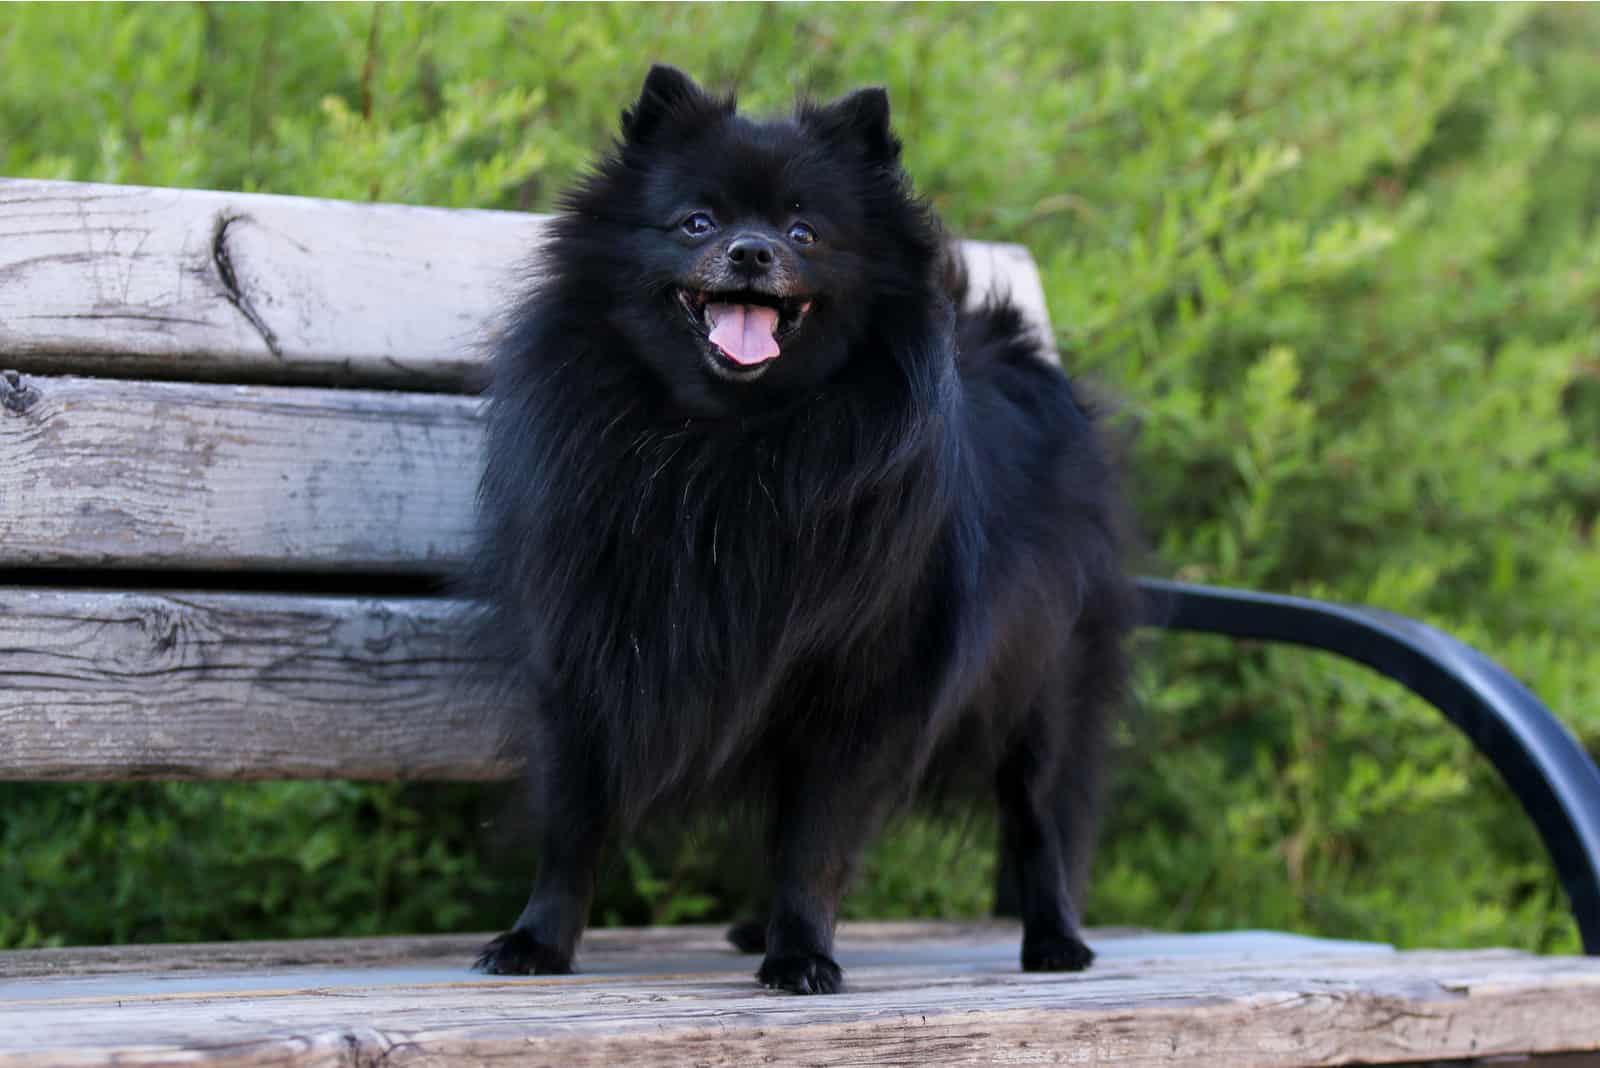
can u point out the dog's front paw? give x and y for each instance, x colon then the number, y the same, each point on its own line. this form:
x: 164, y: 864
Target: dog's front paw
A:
x: 1057, y: 953
x: 749, y: 936
x: 805, y: 973
x: 517, y: 952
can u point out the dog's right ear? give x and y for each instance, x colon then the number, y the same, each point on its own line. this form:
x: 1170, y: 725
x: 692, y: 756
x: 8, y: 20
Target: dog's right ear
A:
x: 667, y: 92
x: 862, y: 118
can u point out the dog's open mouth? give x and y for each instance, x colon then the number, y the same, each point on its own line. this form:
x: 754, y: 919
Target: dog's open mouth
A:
x: 745, y: 329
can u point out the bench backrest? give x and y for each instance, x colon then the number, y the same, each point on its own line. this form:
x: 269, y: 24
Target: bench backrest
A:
x: 237, y: 439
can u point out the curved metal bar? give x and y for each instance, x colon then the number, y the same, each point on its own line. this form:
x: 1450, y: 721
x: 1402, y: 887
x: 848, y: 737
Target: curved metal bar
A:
x: 1550, y: 773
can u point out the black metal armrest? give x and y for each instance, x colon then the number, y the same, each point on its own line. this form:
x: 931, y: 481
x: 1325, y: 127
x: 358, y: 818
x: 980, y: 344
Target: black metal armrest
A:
x: 1554, y: 779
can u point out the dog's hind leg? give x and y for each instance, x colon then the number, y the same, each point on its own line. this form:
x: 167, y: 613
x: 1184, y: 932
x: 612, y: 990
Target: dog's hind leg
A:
x: 1029, y: 824
x: 1049, y: 787
x: 749, y: 935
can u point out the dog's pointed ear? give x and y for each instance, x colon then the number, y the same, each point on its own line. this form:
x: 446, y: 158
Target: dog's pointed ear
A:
x: 667, y: 92
x: 862, y: 118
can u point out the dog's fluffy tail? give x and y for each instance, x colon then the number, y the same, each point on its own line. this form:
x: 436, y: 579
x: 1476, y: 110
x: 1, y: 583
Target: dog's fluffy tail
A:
x: 989, y: 326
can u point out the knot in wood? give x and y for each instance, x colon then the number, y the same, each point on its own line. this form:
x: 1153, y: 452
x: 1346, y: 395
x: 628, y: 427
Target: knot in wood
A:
x: 17, y: 394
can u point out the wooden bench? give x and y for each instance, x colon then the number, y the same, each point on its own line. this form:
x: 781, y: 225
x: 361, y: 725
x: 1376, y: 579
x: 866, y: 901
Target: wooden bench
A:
x: 238, y: 447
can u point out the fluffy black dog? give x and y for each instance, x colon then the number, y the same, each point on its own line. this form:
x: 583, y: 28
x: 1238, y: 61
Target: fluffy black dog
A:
x: 766, y: 522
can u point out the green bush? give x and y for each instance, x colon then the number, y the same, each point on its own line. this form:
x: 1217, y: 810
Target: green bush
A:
x: 1340, y: 263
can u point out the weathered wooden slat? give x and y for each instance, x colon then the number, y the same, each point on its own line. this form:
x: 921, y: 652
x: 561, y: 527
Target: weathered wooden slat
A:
x: 918, y: 995
x: 109, y: 685
x: 108, y: 473
x: 606, y: 950
x: 129, y: 281
x: 125, y: 280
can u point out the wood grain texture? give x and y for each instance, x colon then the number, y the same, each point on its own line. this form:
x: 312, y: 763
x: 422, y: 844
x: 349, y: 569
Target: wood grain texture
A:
x: 605, y: 950
x: 129, y: 281
x: 109, y: 685
x: 126, y: 280
x: 916, y: 997
x: 107, y: 473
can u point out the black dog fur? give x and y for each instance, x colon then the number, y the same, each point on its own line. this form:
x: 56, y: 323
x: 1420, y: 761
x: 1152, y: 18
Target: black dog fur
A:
x: 807, y: 586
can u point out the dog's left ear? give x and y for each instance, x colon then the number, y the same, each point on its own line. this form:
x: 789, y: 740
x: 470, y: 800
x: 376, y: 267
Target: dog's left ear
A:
x: 862, y: 117
x: 667, y: 93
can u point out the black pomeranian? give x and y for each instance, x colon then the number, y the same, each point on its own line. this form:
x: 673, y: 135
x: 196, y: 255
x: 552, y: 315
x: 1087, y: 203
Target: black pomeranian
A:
x: 768, y: 523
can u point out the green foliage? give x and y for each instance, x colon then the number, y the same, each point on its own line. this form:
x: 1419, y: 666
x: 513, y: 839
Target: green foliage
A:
x: 1340, y: 263
x: 179, y: 862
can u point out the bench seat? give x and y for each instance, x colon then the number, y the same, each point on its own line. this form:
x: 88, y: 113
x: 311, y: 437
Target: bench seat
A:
x: 918, y: 992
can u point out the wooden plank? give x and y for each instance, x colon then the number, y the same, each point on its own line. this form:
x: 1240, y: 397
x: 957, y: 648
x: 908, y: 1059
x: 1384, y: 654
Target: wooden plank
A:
x: 124, y: 280
x: 107, y: 685
x: 917, y: 996
x: 105, y: 473
x: 605, y: 950
x: 1516, y: 1060
x: 130, y: 281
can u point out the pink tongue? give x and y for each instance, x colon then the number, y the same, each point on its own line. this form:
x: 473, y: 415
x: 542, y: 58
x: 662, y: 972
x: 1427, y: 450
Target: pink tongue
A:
x: 744, y: 331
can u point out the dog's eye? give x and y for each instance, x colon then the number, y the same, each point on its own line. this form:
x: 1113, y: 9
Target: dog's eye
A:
x: 698, y: 224
x: 801, y: 234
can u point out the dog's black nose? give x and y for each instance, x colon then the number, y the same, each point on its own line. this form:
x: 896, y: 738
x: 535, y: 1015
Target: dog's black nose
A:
x: 752, y: 254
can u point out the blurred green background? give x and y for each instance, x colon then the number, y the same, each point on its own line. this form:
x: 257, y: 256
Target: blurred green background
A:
x: 1340, y: 265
